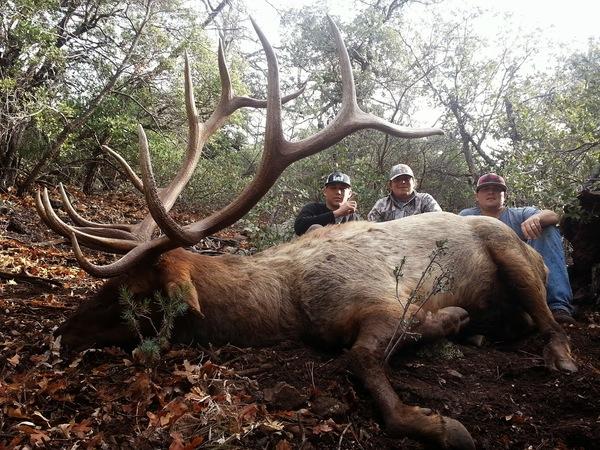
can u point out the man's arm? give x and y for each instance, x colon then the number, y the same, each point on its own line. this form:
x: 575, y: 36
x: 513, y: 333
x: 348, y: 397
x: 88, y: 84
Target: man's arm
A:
x: 376, y: 213
x: 311, y: 214
x: 533, y: 226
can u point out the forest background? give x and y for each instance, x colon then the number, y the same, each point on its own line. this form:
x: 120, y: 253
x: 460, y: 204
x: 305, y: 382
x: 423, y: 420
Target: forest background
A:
x: 76, y: 75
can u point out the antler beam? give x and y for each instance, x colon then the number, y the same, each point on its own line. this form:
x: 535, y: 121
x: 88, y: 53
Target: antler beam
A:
x: 278, y: 154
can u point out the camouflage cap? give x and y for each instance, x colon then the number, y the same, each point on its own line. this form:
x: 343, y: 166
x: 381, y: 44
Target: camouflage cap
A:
x: 400, y: 169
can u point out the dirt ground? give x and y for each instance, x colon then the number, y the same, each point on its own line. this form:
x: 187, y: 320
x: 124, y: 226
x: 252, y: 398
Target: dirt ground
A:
x: 283, y: 397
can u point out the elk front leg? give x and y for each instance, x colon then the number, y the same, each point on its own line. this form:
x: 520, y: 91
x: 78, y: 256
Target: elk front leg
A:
x: 444, y: 322
x: 430, y: 326
x: 367, y: 362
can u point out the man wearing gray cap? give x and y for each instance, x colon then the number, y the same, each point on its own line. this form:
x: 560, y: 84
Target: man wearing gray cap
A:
x: 338, y: 206
x: 402, y: 200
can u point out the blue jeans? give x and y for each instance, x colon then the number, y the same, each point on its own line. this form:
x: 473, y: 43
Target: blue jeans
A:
x: 558, y: 287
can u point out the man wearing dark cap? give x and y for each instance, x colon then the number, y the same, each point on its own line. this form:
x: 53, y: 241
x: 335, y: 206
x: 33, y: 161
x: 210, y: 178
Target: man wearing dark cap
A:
x: 402, y: 200
x: 338, y: 208
x: 538, y: 228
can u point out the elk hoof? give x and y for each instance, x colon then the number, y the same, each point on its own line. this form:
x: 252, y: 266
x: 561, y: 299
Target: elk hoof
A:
x: 477, y: 340
x: 557, y: 356
x: 436, y: 431
x: 456, y: 436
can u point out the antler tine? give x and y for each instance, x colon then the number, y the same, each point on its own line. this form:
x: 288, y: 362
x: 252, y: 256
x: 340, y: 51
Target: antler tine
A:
x: 350, y: 118
x: 90, y: 268
x: 226, y: 88
x: 156, y: 207
x: 112, y: 240
x: 41, y: 211
x: 82, y: 222
x: 273, y: 129
x: 349, y: 103
x: 240, y: 102
x: 118, y: 267
x: 233, y: 103
x: 50, y: 218
x: 137, y: 183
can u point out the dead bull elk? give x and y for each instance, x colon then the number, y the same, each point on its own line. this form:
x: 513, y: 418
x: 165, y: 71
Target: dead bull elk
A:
x: 334, y: 287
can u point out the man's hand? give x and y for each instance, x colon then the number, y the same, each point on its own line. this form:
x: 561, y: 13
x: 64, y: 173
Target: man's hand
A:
x: 532, y: 227
x: 346, y: 208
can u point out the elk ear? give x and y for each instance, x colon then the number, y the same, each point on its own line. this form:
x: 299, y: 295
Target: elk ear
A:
x: 187, y: 291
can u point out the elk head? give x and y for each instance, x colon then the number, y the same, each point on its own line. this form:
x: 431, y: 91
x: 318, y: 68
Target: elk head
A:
x: 135, y: 241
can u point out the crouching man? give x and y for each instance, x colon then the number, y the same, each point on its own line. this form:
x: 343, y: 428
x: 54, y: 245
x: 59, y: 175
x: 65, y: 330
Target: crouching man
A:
x: 538, y: 228
x: 338, y: 206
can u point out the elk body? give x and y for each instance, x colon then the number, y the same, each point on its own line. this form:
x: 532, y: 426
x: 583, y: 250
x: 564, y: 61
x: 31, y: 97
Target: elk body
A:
x: 335, y: 287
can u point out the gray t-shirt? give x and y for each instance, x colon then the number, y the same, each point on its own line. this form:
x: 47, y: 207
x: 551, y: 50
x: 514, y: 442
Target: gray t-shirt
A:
x: 513, y: 217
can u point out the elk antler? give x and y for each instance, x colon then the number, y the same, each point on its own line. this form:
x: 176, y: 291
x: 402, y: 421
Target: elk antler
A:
x: 278, y: 153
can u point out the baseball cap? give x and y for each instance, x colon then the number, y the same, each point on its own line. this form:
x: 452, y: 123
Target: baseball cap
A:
x: 400, y: 169
x: 490, y: 179
x: 338, y: 177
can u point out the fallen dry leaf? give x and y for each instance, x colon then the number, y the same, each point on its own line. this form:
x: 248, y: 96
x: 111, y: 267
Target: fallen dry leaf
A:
x: 14, y: 361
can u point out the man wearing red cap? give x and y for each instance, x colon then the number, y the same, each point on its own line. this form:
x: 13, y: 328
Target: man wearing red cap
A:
x: 538, y: 228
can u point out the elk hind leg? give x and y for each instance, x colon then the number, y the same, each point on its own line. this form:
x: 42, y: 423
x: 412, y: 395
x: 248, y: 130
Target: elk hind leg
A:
x: 529, y: 285
x: 367, y: 363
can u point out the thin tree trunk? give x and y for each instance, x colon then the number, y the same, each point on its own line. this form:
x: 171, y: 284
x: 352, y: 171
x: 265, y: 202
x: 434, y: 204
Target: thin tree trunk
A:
x: 91, y: 170
x: 514, y: 134
x: 465, y: 140
x: 9, y: 158
x: 76, y: 124
x: 214, y: 13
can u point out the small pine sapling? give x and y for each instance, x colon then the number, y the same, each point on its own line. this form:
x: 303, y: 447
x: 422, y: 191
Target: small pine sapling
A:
x: 134, y: 311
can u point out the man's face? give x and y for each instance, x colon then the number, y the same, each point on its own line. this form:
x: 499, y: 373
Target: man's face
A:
x: 335, y: 194
x: 402, y: 186
x: 490, y: 197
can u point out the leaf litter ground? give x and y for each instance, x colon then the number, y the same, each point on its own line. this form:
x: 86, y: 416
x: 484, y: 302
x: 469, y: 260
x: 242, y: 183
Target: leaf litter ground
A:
x: 282, y: 397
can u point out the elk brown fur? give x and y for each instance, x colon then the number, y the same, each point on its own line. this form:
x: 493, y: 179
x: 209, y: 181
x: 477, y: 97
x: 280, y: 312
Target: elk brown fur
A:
x: 336, y: 288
